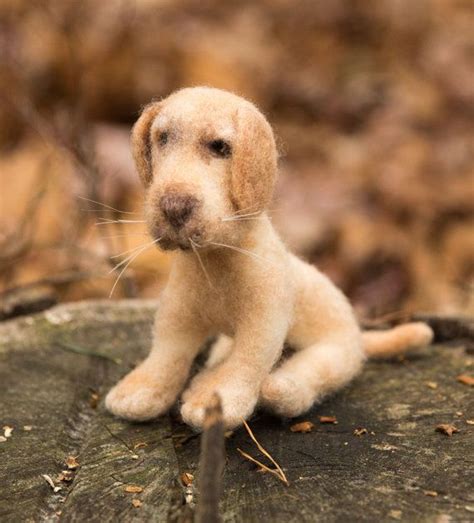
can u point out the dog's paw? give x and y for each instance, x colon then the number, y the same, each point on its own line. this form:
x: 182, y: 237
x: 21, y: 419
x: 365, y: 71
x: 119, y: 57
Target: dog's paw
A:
x: 238, y: 399
x: 285, y: 396
x: 138, y: 397
x: 139, y: 405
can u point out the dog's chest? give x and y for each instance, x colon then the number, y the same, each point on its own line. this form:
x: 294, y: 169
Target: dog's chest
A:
x: 222, y: 299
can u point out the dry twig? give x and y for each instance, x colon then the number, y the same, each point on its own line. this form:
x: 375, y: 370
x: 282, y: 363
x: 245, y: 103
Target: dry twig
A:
x: 277, y: 471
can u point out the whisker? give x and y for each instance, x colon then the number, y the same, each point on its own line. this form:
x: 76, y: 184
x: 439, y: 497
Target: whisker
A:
x: 130, y: 250
x: 243, y: 218
x: 201, y: 263
x: 103, y: 205
x: 237, y: 216
x: 97, y: 211
x: 105, y: 221
x: 247, y: 214
x: 245, y: 209
x: 120, y: 275
x: 255, y: 214
x: 130, y: 258
x: 119, y: 220
x: 242, y: 251
x: 143, y: 247
x: 123, y: 235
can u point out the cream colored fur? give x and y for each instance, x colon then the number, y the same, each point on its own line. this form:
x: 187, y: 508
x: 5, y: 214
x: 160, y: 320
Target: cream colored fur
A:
x: 233, y: 277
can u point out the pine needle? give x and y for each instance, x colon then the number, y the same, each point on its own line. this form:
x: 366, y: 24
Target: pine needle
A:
x: 86, y: 352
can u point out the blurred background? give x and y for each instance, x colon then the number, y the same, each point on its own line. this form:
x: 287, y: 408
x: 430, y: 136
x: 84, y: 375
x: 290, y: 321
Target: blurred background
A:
x: 372, y: 102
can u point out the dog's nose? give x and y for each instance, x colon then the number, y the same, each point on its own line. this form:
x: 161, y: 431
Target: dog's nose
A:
x: 177, y: 208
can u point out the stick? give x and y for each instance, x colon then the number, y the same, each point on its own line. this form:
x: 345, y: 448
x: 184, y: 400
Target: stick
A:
x: 211, y: 464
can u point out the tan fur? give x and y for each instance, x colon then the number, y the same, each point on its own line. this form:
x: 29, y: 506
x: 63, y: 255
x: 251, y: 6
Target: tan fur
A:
x: 141, y: 146
x: 385, y: 344
x: 232, y: 276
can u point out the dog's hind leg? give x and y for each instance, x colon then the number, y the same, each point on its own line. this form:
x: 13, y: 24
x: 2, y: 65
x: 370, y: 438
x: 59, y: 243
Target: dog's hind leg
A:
x: 328, y: 346
x: 310, y: 374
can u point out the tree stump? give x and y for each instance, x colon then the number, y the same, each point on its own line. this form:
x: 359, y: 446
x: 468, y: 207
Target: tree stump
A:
x: 56, y: 366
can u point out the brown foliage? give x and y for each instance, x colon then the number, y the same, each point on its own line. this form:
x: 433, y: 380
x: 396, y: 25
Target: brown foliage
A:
x: 370, y: 99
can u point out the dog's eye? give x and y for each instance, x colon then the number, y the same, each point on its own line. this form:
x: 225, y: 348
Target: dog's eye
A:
x: 220, y: 148
x: 163, y: 138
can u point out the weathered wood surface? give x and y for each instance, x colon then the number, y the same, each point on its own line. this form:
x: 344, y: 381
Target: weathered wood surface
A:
x: 334, y: 475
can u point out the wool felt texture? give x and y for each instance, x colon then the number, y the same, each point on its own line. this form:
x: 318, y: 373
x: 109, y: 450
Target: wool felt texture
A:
x: 208, y: 162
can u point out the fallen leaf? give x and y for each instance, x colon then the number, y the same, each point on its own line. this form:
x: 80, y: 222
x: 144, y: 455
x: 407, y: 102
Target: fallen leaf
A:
x: 133, y: 489
x: 431, y: 493
x: 447, y: 429
x: 187, y: 479
x: 136, y: 503
x: 140, y: 445
x: 304, y: 426
x: 432, y: 385
x: 7, y: 431
x: 395, y: 514
x: 65, y: 475
x: 470, y: 421
x: 360, y: 431
x: 328, y: 419
x: 94, y: 399
x: 72, y: 463
x: 27, y: 428
x: 3, y: 439
x: 466, y: 380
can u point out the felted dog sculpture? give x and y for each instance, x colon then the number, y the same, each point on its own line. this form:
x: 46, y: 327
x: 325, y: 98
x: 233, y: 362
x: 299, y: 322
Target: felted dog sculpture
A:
x: 208, y: 161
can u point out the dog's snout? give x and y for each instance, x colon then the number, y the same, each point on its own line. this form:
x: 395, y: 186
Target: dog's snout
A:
x: 177, y: 208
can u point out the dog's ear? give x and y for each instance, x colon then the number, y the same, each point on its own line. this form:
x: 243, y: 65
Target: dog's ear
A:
x: 141, y: 142
x: 254, y: 160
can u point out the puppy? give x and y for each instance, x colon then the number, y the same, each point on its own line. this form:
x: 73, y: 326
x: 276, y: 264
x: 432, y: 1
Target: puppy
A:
x: 208, y: 161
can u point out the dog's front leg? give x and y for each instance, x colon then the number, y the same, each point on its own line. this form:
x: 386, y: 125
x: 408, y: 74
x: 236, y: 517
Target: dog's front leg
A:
x: 152, y: 387
x: 257, y: 345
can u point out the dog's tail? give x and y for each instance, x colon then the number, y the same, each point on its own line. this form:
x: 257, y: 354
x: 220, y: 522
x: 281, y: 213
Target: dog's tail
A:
x: 396, y: 341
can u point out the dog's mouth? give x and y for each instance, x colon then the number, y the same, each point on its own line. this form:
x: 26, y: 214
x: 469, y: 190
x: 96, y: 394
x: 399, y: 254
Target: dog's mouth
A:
x: 170, y: 245
x: 185, y: 237
x: 170, y: 242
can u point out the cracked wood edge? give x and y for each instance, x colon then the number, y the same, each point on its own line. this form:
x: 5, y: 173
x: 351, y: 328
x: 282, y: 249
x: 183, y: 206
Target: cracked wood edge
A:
x: 49, y: 389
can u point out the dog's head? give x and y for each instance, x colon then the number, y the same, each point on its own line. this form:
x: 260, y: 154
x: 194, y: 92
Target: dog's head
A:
x: 204, y: 156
